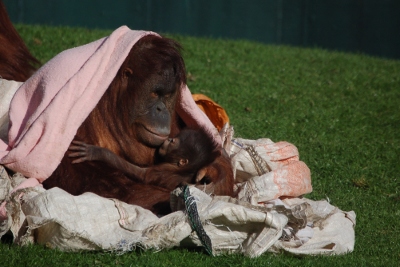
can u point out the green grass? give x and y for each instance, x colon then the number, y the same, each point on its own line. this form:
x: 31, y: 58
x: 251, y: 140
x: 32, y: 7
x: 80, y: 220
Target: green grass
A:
x: 341, y: 110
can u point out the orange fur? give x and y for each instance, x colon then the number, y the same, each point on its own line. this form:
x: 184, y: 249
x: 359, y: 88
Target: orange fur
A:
x: 16, y: 62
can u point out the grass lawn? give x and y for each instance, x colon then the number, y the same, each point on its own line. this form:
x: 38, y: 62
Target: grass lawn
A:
x: 341, y: 110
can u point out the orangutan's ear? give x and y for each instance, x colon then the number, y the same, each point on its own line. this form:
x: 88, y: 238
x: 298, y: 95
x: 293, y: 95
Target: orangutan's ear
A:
x: 183, y: 162
x: 127, y: 72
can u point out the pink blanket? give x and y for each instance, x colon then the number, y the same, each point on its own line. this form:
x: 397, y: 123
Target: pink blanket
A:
x: 47, y: 110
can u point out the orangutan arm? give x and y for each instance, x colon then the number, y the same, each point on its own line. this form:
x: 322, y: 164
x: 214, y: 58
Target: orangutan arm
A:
x: 85, y: 152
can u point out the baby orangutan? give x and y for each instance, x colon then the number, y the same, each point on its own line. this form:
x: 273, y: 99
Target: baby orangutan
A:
x: 181, y: 158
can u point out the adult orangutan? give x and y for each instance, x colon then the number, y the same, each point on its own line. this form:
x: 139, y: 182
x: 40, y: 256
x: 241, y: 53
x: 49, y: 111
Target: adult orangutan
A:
x: 134, y: 116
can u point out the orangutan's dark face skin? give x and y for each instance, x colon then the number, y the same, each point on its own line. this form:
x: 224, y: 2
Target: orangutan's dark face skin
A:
x: 153, y: 106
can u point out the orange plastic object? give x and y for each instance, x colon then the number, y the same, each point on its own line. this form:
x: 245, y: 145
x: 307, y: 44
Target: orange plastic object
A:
x: 214, y: 112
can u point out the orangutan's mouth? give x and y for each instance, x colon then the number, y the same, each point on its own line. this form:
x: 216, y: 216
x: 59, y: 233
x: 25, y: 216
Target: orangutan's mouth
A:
x: 162, y: 136
x: 151, y: 137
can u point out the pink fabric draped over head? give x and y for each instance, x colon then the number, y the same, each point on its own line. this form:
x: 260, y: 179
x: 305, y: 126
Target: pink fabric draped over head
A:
x: 48, y: 109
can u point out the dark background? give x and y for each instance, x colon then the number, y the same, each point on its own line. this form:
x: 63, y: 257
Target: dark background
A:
x: 366, y: 26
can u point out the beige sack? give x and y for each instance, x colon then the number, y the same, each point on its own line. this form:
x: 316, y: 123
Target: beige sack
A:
x: 255, y: 222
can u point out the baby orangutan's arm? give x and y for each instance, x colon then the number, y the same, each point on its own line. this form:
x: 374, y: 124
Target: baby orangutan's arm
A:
x: 85, y: 152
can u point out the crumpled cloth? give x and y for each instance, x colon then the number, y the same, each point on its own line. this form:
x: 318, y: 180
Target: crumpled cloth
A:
x: 213, y: 110
x: 250, y: 224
